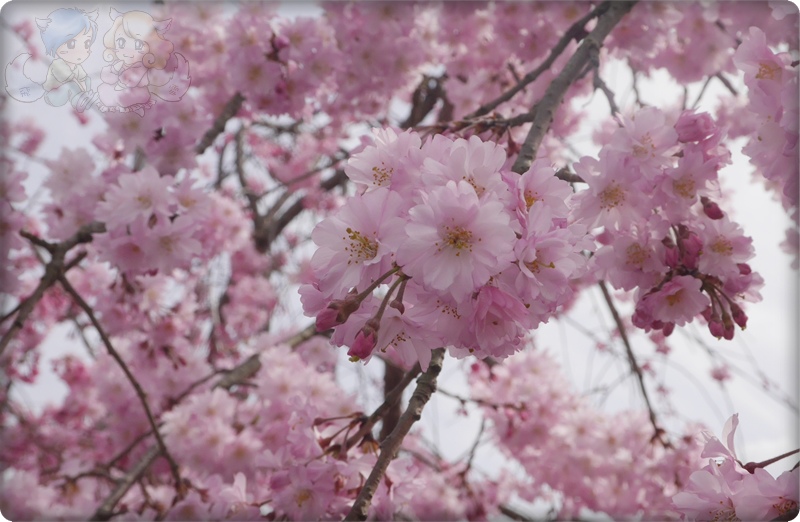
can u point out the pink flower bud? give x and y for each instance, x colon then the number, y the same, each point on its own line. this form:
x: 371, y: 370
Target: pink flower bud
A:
x: 338, y: 311
x: 694, y: 127
x: 728, y: 334
x: 720, y: 373
x: 739, y: 317
x: 280, y: 42
x: 711, y: 209
x: 668, y: 329
x: 327, y: 319
x: 365, y: 342
x: 716, y: 328
x: 671, y: 252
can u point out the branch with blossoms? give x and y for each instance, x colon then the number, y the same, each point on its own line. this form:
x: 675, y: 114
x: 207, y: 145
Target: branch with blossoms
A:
x: 140, y: 393
x: 54, y: 269
x: 426, y: 386
x: 576, y: 31
x: 545, y: 108
x: 228, y: 112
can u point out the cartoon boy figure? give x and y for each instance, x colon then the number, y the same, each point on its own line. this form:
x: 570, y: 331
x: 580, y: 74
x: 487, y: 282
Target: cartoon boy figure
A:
x: 67, y: 35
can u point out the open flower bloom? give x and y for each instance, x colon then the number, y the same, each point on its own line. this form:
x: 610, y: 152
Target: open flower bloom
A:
x: 456, y: 241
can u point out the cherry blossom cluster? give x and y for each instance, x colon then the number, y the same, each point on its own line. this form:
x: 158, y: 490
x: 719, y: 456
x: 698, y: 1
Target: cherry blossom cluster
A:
x: 725, y: 489
x: 152, y: 221
x: 772, y: 80
x: 662, y: 234
x: 472, y: 254
x: 605, y: 463
x: 278, y: 452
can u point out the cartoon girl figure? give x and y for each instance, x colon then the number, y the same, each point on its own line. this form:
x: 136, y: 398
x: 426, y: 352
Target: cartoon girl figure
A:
x: 67, y: 35
x: 135, y: 46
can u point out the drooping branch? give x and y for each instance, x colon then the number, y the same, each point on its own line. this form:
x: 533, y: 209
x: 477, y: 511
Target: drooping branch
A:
x: 426, y: 385
x: 545, y: 108
x: 659, y: 432
x: 134, y: 382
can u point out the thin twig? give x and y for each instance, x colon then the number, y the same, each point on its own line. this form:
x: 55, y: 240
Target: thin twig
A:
x: 752, y: 466
x: 659, y: 432
x: 702, y: 91
x: 598, y: 82
x: 252, y: 199
x: 139, y: 391
x: 546, y: 107
x: 482, y: 402
x: 721, y: 77
x: 426, y: 385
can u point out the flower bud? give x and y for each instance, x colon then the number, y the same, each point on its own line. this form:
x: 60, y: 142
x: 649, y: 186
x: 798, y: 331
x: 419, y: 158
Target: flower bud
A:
x: 365, y: 342
x: 711, y: 209
x: 739, y: 317
x: 716, y: 328
x: 338, y: 311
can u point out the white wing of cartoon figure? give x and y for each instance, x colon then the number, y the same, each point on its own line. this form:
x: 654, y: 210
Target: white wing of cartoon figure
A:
x: 18, y: 85
x: 178, y: 82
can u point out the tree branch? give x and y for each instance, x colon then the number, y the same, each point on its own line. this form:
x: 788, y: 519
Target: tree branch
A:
x: 266, y: 234
x: 576, y: 31
x: 106, y: 509
x: 426, y: 385
x: 52, y: 271
x: 546, y: 107
x: 228, y: 112
x: 390, y: 399
x: 721, y: 77
x: 659, y: 432
x: 139, y: 391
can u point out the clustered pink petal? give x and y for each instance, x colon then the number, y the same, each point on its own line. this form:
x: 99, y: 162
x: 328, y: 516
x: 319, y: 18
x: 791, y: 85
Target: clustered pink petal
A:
x: 471, y: 256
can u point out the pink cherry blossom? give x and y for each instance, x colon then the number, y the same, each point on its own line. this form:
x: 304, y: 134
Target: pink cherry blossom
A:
x: 357, y: 243
x: 456, y: 241
x: 678, y: 300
